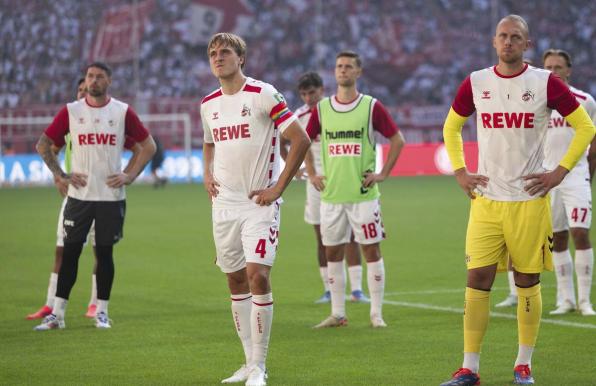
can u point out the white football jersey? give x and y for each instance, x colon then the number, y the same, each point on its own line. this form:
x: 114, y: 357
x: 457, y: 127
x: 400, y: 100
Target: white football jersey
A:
x: 303, y: 113
x: 245, y: 129
x: 559, y: 136
x: 98, y: 135
x: 512, y: 115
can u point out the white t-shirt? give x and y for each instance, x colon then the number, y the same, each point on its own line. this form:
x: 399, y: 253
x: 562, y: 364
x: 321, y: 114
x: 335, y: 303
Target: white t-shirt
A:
x: 559, y: 136
x: 98, y: 136
x: 512, y: 115
x: 245, y: 129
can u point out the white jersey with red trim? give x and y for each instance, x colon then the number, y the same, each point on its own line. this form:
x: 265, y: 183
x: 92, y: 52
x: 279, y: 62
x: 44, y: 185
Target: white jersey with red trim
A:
x: 98, y: 136
x: 245, y: 128
x: 303, y: 113
x: 512, y: 115
x: 559, y: 136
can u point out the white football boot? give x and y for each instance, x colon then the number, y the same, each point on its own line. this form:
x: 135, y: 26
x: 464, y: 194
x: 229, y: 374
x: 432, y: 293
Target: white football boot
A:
x: 50, y: 322
x: 240, y: 375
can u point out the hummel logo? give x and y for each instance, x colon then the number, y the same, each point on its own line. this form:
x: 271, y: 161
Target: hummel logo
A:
x: 215, y: 116
x: 550, y: 239
x: 69, y: 223
x: 485, y: 94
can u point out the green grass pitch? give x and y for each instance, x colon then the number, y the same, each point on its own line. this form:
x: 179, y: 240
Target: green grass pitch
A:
x: 172, y: 324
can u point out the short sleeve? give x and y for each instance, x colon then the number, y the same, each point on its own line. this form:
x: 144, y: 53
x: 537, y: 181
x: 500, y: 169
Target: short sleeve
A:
x: 129, y: 143
x: 133, y: 127
x: 207, y: 137
x: 463, y: 104
x: 275, y: 104
x: 59, y: 127
x: 559, y: 97
x: 382, y: 121
x: 313, y: 128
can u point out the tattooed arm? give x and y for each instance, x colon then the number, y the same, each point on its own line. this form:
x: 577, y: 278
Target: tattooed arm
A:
x: 44, y: 148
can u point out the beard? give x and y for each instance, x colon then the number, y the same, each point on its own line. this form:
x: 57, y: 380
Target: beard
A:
x: 97, y: 92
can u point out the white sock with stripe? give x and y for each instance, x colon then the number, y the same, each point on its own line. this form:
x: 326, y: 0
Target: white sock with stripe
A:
x: 260, y: 322
x: 584, y: 265
x: 376, y: 286
x: 241, y: 313
x: 50, y: 297
x: 337, y: 286
x: 324, y: 277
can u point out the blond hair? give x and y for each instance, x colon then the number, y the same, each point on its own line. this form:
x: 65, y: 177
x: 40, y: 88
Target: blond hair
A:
x: 229, y: 39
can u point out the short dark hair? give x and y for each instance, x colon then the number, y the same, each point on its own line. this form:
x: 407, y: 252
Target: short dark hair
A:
x: 309, y: 79
x: 562, y: 53
x: 81, y: 80
x: 350, y: 54
x: 100, y: 65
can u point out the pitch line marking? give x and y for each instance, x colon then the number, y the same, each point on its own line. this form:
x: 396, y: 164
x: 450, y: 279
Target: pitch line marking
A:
x: 492, y: 314
x: 448, y: 290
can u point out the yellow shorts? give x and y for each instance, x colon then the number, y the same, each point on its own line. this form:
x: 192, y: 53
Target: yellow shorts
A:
x: 520, y: 230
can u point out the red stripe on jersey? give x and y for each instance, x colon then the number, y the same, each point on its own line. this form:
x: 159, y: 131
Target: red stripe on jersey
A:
x: 262, y: 304
x: 239, y: 300
x: 283, y: 118
x: 559, y: 97
x: 346, y: 103
x: 249, y: 88
x: 270, y: 174
x: 510, y: 76
x: 582, y: 97
x: 97, y: 106
x: 304, y: 113
x: 272, y: 158
x: 273, y: 141
x: 216, y: 94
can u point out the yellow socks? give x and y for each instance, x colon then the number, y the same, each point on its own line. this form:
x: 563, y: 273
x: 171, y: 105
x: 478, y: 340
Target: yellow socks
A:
x: 529, y: 309
x: 476, y: 310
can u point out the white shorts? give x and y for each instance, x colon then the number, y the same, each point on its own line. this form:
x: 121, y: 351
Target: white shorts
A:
x: 245, y: 235
x: 312, y: 207
x: 60, y: 230
x: 338, y: 221
x: 571, y: 207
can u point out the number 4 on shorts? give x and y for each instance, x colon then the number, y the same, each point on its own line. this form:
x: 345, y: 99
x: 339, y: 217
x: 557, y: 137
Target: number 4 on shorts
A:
x: 260, y: 249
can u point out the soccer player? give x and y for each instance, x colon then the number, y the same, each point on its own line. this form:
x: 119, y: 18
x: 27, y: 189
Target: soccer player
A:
x: 571, y: 201
x: 510, y: 210
x: 310, y: 88
x: 345, y: 124
x: 98, y: 125
x: 242, y: 123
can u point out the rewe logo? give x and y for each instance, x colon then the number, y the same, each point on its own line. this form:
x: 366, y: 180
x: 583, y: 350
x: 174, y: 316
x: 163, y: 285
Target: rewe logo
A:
x: 507, y: 120
x: 344, y: 149
x: 231, y: 132
x: 97, y: 139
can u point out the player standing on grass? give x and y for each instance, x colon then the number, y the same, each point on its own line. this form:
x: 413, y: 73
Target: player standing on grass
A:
x: 571, y: 201
x: 510, y: 211
x: 98, y: 125
x: 242, y: 122
x: 63, y: 189
x: 345, y: 124
x: 310, y: 88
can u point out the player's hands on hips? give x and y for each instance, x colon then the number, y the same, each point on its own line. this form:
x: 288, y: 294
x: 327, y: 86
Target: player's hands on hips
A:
x: 210, y: 185
x: 372, y: 178
x: 300, y: 174
x: 469, y: 181
x: 118, y: 180
x: 542, y: 183
x: 264, y: 197
x: 78, y: 180
x: 317, y: 182
x: 62, y: 185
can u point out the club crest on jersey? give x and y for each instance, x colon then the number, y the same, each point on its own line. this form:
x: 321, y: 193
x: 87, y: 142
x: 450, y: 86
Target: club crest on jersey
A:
x: 485, y: 94
x: 245, y: 111
x: 278, y: 97
x: 527, y: 96
x: 215, y: 115
x: 96, y: 120
x: 111, y: 122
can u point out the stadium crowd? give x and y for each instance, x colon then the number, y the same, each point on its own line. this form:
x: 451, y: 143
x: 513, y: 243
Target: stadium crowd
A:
x: 412, y: 55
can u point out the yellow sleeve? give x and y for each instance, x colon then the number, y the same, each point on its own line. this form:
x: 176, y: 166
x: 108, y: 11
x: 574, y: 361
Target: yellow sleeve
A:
x: 584, y: 133
x: 454, y: 143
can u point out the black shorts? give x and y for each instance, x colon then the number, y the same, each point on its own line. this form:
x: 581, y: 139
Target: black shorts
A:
x: 108, y: 216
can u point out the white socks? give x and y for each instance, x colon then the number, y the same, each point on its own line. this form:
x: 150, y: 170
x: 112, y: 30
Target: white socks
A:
x: 471, y: 361
x: 93, y: 299
x: 59, y: 307
x: 261, y: 317
x: 376, y: 286
x: 584, y: 265
x: 323, y: 271
x: 564, y: 273
x: 337, y: 286
x: 241, y: 311
x: 102, y: 306
x: 511, y: 280
x: 524, y: 355
x: 52, y: 289
x: 355, y: 273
